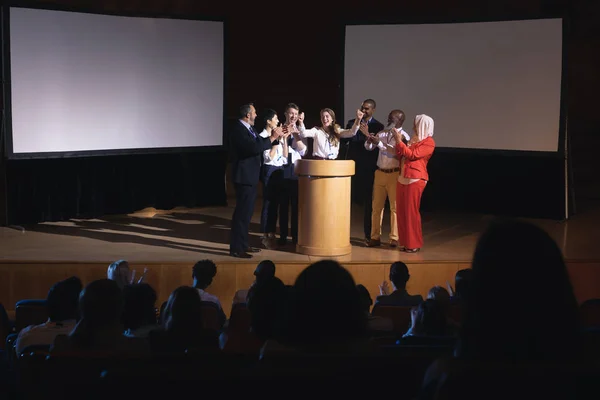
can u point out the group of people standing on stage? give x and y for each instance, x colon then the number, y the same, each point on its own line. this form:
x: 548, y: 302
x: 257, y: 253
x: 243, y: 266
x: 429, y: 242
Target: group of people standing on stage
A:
x: 398, y: 171
x: 392, y: 165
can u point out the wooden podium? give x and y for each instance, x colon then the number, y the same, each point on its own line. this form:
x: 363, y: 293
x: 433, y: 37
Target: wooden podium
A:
x: 324, y: 201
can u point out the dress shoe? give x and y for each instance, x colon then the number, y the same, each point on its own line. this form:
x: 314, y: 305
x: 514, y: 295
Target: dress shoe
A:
x: 412, y: 250
x: 252, y: 250
x: 281, y: 241
x: 269, y: 243
x: 239, y: 254
x: 374, y: 243
x: 393, y: 243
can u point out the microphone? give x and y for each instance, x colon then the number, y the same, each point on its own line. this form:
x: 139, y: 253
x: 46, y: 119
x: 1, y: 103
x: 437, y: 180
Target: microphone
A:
x: 347, y: 150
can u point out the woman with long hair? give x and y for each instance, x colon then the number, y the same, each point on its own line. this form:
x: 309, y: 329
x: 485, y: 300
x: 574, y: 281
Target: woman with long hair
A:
x: 326, y: 137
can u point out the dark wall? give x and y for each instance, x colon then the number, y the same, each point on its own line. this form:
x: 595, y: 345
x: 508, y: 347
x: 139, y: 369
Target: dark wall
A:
x: 279, y: 53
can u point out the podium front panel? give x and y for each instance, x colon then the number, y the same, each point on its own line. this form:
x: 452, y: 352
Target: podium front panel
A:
x: 324, y: 203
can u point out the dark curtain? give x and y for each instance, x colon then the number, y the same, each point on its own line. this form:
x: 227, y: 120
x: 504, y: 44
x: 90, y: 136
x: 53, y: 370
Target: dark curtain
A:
x: 513, y: 184
x: 87, y: 187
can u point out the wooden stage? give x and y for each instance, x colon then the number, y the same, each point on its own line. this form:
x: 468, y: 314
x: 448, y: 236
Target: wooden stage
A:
x: 169, y: 242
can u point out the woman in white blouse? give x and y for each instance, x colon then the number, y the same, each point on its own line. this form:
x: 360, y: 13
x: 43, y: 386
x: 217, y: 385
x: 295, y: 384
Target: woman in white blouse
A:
x: 274, y: 159
x: 326, y: 145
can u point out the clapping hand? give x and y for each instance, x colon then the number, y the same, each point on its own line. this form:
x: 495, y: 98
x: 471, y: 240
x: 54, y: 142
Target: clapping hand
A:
x: 374, y: 139
x: 384, y: 288
x: 364, y: 129
x: 277, y: 132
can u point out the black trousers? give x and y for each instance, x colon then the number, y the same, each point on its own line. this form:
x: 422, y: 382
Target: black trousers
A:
x: 272, y: 179
x: 364, y: 186
x: 245, y: 197
x: 289, y: 200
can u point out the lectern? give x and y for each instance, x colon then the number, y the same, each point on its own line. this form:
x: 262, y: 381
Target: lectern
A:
x: 324, y: 201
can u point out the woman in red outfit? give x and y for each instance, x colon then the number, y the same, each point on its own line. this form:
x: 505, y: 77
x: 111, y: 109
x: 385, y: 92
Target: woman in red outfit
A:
x: 411, y: 182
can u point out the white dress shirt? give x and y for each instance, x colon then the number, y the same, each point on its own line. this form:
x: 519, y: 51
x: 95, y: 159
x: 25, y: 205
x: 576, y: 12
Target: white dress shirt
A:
x: 387, y: 158
x: 321, y: 146
x: 278, y: 160
x: 297, y: 153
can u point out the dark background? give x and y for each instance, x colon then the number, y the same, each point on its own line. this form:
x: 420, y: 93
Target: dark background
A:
x: 280, y: 52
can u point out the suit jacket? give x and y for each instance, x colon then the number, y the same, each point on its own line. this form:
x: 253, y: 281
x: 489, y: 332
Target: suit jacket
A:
x: 357, y: 151
x: 416, y: 158
x: 399, y: 298
x: 246, y: 154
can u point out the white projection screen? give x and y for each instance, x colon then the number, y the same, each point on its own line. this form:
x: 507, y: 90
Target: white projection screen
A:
x: 487, y: 85
x: 87, y: 82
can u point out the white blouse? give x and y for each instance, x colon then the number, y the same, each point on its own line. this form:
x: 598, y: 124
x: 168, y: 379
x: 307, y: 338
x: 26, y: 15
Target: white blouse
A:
x: 321, y: 146
x: 278, y: 160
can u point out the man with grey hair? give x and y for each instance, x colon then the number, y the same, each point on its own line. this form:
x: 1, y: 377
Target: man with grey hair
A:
x: 246, y: 147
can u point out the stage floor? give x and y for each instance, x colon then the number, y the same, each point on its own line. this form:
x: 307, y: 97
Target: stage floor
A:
x: 187, y: 235
x: 168, y: 243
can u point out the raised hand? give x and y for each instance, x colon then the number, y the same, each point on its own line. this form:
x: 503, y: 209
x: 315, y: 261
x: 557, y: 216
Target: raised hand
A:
x: 359, y: 114
x: 364, y: 129
x: 384, y: 288
x: 301, y: 118
x: 277, y: 132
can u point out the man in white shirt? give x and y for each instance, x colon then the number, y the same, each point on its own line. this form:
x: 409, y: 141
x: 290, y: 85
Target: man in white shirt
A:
x: 386, y: 175
x: 203, y: 273
x: 62, y: 302
x: 289, y: 195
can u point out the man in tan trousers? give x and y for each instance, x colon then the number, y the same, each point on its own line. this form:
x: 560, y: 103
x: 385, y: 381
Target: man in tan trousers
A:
x: 386, y: 175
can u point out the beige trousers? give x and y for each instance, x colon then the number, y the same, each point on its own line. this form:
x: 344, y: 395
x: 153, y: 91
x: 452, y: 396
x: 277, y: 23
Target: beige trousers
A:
x: 384, y: 186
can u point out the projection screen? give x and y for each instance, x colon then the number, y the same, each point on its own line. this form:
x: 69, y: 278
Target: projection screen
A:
x: 487, y: 85
x: 84, y: 82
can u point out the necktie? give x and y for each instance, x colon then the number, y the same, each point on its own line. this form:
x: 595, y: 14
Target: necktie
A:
x: 252, y: 131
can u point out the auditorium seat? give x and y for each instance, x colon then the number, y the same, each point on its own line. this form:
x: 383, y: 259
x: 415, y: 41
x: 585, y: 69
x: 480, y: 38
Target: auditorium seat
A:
x: 400, y: 316
x: 30, y: 312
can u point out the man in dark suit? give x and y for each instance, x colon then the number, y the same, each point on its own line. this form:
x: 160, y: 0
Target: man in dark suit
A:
x: 366, y: 163
x: 246, y: 147
x: 399, y: 297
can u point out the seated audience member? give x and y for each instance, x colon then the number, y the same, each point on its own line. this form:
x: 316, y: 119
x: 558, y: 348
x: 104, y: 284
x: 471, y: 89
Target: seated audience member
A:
x: 266, y: 301
x: 374, y: 323
x: 442, y: 296
x: 545, y: 314
x: 183, y: 327
x: 399, y: 297
x: 203, y: 273
x: 264, y: 270
x: 100, y: 328
x: 139, y: 314
x: 62, y: 302
x: 428, y: 325
x: 325, y: 314
x: 120, y: 272
x: 520, y: 310
x: 462, y: 282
